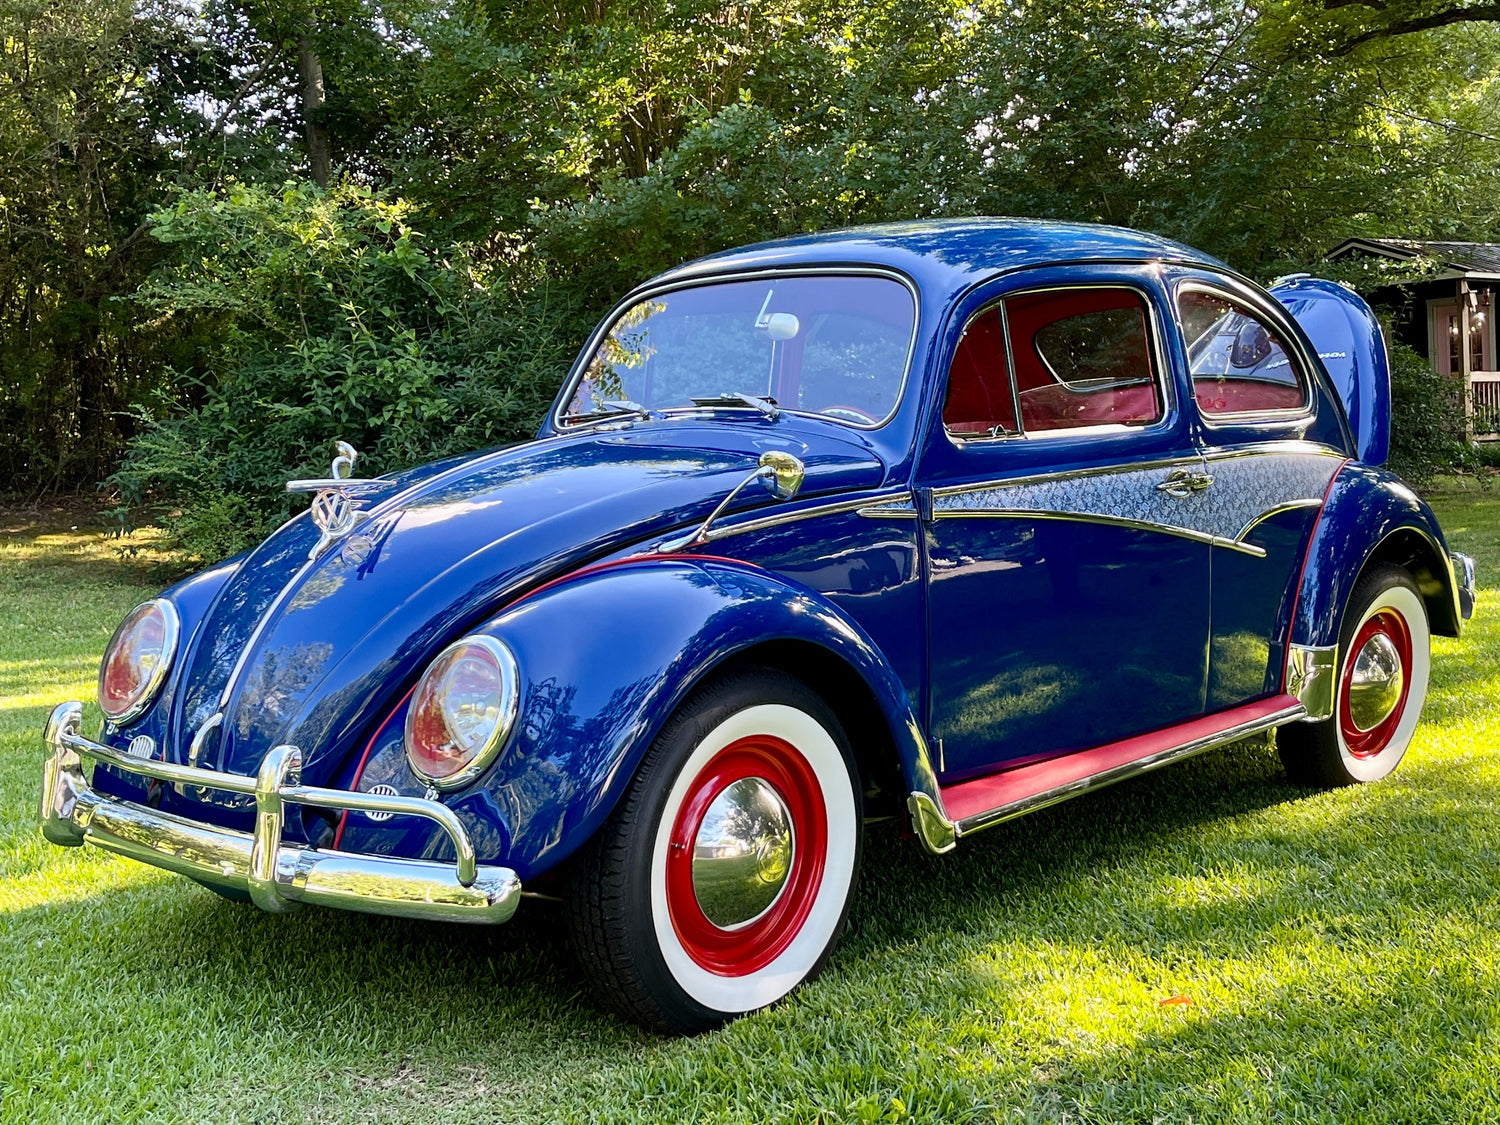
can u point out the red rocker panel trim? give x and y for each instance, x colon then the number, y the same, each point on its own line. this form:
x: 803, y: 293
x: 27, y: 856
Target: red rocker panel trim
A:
x: 986, y: 794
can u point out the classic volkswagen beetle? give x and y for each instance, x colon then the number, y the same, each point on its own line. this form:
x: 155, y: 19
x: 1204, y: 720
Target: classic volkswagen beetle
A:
x: 948, y: 520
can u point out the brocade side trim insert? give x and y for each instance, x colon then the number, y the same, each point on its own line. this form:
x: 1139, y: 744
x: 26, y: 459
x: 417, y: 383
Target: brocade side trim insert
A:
x: 1246, y: 490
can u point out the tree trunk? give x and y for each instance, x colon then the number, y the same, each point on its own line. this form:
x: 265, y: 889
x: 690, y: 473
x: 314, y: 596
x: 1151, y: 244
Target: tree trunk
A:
x: 313, y: 97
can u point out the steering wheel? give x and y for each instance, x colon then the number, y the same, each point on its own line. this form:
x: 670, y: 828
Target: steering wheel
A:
x: 851, y: 412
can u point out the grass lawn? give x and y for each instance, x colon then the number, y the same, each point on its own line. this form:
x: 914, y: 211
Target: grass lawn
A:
x: 1340, y: 951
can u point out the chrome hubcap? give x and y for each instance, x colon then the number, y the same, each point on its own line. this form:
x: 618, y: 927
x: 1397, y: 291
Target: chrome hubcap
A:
x: 742, y: 854
x: 1375, y: 683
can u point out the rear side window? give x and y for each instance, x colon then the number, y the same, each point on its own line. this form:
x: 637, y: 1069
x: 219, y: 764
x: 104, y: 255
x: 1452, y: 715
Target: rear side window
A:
x: 1082, y: 359
x: 1239, y: 364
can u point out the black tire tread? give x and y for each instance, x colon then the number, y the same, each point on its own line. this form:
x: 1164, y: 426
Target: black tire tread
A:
x: 600, y: 880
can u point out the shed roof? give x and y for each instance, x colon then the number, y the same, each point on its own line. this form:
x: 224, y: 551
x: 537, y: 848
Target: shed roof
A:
x: 1460, y: 259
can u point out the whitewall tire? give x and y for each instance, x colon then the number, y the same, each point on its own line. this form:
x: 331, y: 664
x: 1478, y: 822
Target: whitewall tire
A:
x: 723, y: 879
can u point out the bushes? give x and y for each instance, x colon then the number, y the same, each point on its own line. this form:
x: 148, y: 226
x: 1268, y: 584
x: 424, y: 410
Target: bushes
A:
x: 336, y: 321
x: 1427, y: 424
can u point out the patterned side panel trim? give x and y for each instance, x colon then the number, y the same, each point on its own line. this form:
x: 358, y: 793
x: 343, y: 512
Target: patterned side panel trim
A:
x: 1246, y: 489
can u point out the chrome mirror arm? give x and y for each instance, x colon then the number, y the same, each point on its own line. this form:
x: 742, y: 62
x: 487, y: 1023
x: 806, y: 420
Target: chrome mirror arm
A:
x: 782, y: 475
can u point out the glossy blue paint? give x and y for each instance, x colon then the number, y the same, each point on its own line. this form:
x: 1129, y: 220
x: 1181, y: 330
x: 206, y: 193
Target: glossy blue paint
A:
x: 591, y: 705
x: 1346, y: 336
x: 1369, y: 511
x: 1006, y: 620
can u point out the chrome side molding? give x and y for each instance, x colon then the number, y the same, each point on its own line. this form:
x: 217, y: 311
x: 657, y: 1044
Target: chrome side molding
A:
x: 278, y: 877
x: 1311, y: 673
x: 1043, y: 799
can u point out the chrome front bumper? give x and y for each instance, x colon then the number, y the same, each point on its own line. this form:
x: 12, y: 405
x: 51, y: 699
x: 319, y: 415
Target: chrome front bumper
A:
x: 278, y: 877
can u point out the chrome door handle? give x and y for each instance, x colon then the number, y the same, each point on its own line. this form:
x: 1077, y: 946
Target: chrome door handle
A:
x: 1184, y: 482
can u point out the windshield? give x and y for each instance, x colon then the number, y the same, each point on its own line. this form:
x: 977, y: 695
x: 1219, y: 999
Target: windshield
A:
x: 832, y: 345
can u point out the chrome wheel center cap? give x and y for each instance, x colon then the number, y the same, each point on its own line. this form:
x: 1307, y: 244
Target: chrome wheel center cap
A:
x: 1375, y: 683
x: 743, y: 853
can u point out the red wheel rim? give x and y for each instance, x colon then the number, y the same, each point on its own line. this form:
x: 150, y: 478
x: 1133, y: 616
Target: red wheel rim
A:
x: 1368, y: 743
x: 747, y: 949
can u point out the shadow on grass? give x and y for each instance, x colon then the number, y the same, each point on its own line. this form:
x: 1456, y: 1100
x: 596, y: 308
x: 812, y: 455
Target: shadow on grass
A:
x: 932, y: 941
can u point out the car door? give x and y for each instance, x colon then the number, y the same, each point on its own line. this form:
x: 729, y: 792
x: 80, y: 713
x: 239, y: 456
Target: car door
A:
x: 1061, y: 490
x: 1272, y: 451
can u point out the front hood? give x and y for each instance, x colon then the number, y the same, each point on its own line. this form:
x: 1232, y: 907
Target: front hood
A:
x: 322, y: 647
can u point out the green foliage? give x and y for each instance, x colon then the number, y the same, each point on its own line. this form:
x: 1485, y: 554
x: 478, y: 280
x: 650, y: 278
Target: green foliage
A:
x: 1427, y: 419
x: 337, y: 321
x: 542, y: 158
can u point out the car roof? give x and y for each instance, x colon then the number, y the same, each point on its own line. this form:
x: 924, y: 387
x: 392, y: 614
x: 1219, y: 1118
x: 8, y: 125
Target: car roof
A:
x: 946, y: 256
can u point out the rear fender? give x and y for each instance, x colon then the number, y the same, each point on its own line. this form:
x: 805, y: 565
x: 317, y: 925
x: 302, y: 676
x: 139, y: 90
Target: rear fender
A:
x: 606, y: 656
x: 1371, y: 516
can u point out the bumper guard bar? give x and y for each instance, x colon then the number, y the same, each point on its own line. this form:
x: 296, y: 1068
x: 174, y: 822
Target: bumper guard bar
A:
x: 277, y: 877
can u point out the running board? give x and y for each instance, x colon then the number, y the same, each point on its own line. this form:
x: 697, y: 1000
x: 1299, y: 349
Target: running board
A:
x: 998, y: 797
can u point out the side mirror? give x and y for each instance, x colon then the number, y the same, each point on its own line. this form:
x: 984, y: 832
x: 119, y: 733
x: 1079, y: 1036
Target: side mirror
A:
x: 782, y: 473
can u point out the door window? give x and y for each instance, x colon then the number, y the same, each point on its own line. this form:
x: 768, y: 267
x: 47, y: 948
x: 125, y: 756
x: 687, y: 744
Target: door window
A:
x: 1238, y: 363
x: 1077, y: 359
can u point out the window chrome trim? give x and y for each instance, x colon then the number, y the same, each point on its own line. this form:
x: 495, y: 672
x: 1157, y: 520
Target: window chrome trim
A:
x: 575, y: 376
x: 1161, y: 374
x: 1290, y: 346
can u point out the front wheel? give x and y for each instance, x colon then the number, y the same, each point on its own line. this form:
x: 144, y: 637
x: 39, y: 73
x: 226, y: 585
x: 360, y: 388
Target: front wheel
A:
x: 722, y: 880
x: 1384, y: 660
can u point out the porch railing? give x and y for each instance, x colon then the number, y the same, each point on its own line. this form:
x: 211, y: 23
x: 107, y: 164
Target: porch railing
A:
x: 1484, y: 403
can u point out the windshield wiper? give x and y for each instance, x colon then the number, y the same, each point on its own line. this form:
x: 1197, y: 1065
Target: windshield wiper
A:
x: 766, y: 406
x: 610, y: 408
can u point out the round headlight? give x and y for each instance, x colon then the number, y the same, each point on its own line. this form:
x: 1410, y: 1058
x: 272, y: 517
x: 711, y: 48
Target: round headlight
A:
x: 137, y: 659
x: 462, y: 709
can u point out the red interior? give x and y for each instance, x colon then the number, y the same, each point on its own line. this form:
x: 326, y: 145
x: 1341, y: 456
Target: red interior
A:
x: 978, y: 383
x: 979, y: 398
x: 1230, y: 396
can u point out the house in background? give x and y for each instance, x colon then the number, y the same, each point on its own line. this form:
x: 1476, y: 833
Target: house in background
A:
x: 1449, y: 316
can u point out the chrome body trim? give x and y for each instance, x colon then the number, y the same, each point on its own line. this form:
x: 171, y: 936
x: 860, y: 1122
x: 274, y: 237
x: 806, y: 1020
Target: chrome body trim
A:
x: 1249, y: 486
x: 1311, y: 676
x: 1109, y: 521
x: 510, y: 707
x: 779, y: 471
x: 172, y: 623
x: 1041, y: 800
x: 762, y: 523
x: 1463, y: 573
x: 277, y: 876
x: 1289, y: 506
x: 931, y: 825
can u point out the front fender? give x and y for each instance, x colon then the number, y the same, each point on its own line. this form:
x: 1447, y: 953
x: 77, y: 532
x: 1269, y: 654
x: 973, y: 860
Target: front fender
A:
x: 1372, y: 516
x: 606, y: 656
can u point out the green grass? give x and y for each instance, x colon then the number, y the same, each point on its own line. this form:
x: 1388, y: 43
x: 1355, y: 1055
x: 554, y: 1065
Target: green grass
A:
x: 1341, y: 951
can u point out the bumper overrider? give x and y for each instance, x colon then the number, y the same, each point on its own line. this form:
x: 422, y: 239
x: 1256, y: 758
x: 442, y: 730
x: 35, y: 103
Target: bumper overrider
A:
x: 277, y: 876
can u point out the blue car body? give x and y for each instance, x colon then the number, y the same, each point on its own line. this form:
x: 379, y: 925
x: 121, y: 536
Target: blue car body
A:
x: 953, y: 644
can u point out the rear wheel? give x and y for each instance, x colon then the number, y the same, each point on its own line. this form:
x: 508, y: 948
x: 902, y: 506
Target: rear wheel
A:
x: 1384, y: 660
x: 722, y: 880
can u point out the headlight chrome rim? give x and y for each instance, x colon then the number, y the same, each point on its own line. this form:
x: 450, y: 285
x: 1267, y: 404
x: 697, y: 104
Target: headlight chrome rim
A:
x: 509, y: 708
x: 171, y: 632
